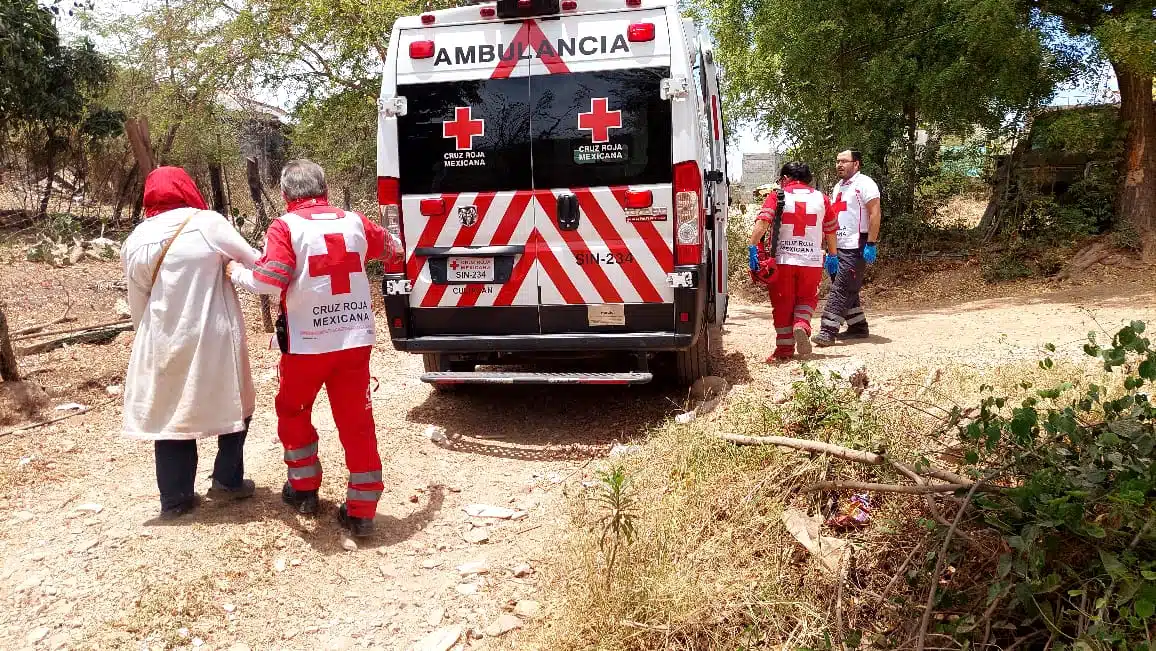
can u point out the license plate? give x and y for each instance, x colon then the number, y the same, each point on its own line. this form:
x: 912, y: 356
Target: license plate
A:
x: 470, y: 270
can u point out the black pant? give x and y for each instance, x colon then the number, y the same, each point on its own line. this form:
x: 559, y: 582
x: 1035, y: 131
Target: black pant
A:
x: 843, y: 301
x: 177, y: 466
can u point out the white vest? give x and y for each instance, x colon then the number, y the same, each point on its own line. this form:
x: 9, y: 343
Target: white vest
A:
x: 328, y: 305
x: 856, y: 193
x: 801, y: 233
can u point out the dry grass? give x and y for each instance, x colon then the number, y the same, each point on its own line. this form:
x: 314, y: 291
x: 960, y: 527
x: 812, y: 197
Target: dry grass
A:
x: 713, y: 567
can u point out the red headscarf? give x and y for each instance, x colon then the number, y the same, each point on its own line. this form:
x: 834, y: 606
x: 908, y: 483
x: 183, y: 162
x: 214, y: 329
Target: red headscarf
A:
x: 169, y: 188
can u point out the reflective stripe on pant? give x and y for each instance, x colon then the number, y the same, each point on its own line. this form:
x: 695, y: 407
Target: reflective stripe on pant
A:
x: 794, y: 295
x: 345, y: 376
x: 843, y: 301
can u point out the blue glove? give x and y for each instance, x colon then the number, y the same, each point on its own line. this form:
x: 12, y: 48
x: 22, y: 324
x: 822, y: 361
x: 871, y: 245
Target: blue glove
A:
x: 869, y: 253
x: 832, y: 264
x: 753, y: 257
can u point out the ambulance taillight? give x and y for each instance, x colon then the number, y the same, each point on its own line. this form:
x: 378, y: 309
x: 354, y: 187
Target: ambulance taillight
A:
x: 421, y: 50
x: 639, y: 199
x: 389, y: 206
x: 640, y: 33
x: 689, y: 217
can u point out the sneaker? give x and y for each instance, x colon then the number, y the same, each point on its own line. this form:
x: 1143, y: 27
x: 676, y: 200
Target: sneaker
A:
x: 359, y: 527
x: 853, y: 334
x: 184, y: 508
x: 219, y: 491
x: 802, y: 342
x: 823, y: 339
x: 304, y: 502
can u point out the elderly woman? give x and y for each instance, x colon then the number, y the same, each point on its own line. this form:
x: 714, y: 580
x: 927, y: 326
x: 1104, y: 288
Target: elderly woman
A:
x: 188, y: 376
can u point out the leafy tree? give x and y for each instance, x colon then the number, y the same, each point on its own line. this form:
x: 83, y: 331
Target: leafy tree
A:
x: 866, y: 74
x: 48, y: 88
x: 1125, y: 31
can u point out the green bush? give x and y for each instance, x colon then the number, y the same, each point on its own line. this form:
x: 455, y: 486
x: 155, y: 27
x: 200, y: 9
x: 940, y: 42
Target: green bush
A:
x: 1079, y: 505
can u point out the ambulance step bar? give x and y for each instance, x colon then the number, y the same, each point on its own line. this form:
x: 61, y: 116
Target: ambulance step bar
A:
x: 445, y: 377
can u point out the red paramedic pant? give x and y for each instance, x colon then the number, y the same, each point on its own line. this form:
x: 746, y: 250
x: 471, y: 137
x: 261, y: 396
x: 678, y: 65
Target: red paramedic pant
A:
x: 345, y: 375
x: 794, y: 295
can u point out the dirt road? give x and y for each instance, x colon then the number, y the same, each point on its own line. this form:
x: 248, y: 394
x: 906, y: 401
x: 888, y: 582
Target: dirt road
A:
x: 86, y: 566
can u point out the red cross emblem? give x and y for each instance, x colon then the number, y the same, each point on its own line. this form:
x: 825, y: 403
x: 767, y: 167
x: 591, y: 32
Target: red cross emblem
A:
x: 463, y: 128
x: 338, y: 263
x: 454, y: 265
x: 599, y: 121
x: 800, y: 219
x: 839, y: 205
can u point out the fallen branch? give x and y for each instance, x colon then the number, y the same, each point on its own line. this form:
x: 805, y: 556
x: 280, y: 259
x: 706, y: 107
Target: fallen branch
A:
x: 925, y: 489
x: 24, y: 428
x: 869, y: 458
x: 91, y: 336
x: 37, y: 328
x: 859, y: 456
x: 38, y: 335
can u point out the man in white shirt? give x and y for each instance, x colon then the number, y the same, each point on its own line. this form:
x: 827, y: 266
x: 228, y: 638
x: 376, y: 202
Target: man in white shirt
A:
x: 855, y: 199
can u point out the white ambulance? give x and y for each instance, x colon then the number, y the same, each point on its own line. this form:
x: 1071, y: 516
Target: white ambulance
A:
x: 556, y: 172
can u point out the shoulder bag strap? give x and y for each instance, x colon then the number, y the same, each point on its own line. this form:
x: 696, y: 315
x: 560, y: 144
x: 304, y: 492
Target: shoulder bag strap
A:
x: 165, y: 249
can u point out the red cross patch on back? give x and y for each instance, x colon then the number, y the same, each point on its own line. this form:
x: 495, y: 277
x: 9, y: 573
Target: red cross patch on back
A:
x: 599, y: 120
x: 463, y: 128
x: 800, y: 219
x: 338, y: 263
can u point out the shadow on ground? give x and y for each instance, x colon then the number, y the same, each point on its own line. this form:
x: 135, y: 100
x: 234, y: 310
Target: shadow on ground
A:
x: 321, y: 531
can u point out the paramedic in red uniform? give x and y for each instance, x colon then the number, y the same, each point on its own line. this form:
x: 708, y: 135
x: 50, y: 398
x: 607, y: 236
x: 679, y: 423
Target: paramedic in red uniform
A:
x: 315, y: 259
x: 807, y: 222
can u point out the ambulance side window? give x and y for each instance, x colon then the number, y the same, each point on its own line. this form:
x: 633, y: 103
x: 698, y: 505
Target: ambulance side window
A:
x: 604, y: 128
x: 465, y: 136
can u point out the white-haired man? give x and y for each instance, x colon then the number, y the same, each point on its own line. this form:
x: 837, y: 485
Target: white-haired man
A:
x: 314, y: 259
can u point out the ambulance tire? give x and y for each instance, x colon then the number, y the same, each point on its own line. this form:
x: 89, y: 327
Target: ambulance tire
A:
x: 694, y: 362
x: 435, y: 362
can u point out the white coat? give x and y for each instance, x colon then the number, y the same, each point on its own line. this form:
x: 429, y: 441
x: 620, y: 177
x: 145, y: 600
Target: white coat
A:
x: 188, y: 376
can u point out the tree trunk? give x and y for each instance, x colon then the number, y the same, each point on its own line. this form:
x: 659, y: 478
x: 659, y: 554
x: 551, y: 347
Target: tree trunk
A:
x: 253, y: 174
x: 1136, y: 200
x: 47, y: 196
x: 912, y: 161
x: 217, y: 187
x: 8, y: 369
x: 138, y: 202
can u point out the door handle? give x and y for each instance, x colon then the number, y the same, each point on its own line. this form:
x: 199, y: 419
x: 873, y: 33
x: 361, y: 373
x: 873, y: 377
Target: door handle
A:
x: 569, y: 216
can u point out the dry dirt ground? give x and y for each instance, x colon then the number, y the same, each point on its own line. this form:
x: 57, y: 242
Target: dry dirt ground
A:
x: 85, y: 565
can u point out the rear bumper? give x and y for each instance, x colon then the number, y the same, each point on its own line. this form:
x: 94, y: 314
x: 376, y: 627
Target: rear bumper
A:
x: 649, y: 327
x: 642, y: 341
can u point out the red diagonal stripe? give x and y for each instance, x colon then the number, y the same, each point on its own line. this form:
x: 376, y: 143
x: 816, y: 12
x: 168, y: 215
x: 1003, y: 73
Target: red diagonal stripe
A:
x: 554, y: 270
x: 615, y: 243
x: 577, y: 245
x: 521, y: 269
x: 433, y: 296
x: 428, y: 236
x: 514, y: 213
x: 659, y: 247
x: 528, y: 37
x: 513, y: 216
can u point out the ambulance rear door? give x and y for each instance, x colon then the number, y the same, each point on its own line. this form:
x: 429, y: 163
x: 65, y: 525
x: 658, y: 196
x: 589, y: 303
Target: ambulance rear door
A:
x: 717, y: 187
x: 466, y: 185
x: 601, y: 142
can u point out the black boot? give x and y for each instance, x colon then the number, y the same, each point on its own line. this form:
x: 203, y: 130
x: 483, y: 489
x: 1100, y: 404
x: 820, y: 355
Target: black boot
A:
x: 359, y: 527
x: 304, y: 502
x: 853, y: 333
